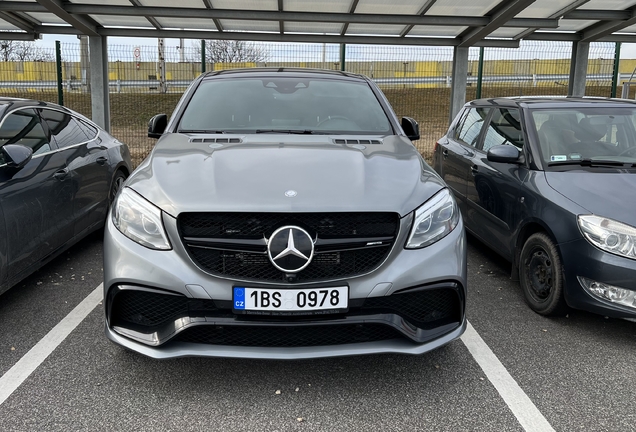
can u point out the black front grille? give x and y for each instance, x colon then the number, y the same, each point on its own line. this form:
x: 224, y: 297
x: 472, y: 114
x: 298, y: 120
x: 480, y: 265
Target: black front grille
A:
x: 151, y: 309
x: 280, y: 336
x: 257, y: 225
x: 247, y: 262
x: 425, y: 309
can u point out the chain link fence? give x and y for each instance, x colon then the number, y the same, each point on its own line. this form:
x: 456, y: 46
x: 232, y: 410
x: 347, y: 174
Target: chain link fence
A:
x: 147, y: 80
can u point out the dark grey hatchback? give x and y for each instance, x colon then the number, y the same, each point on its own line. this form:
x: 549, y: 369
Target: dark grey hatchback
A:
x: 550, y: 184
x: 59, y: 172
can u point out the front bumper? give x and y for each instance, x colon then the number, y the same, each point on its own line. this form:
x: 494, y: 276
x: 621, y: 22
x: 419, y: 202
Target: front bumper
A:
x: 580, y: 258
x: 132, y: 266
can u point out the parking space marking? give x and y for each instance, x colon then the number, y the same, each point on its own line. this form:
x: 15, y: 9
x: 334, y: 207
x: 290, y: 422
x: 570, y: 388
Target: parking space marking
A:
x: 517, y: 400
x: 14, y: 377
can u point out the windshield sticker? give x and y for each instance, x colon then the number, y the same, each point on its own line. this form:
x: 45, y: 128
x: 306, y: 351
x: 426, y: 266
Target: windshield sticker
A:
x: 575, y: 156
x: 558, y: 158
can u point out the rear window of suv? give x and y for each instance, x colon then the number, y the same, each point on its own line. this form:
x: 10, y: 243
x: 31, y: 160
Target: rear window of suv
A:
x: 299, y: 104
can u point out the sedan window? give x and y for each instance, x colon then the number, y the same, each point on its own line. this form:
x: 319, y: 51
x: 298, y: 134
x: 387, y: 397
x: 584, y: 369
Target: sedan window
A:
x: 64, y: 128
x: 285, y: 104
x: 23, y: 127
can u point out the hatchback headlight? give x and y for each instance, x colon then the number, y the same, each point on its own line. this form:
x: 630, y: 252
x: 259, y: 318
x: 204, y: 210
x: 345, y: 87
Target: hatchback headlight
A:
x: 139, y: 220
x: 609, y: 235
x: 434, y: 220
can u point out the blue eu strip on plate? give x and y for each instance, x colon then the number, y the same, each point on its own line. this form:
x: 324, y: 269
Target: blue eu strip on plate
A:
x: 239, y: 298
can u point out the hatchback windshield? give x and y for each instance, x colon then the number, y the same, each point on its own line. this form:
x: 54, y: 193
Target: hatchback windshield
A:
x: 584, y: 135
x: 288, y: 105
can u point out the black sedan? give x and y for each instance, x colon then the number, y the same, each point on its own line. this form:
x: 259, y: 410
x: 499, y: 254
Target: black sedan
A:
x: 59, y: 172
x: 550, y: 184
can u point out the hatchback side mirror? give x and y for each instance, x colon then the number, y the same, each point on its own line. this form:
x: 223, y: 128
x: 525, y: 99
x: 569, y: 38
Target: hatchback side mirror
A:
x: 157, y: 125
x: 411, y: 128
x: 504, y: 154
x: 16, y: 155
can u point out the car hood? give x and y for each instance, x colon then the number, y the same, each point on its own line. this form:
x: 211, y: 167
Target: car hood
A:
x: 605, y: 194
x: 183, y: 174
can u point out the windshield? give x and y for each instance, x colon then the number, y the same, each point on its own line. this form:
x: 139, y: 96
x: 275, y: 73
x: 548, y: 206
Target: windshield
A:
x: 583, y: 135
x: 287, y: 105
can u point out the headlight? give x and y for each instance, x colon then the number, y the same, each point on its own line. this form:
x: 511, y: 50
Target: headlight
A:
x: 609, y: 235
x: 434, y: 220
x: 139, y: 220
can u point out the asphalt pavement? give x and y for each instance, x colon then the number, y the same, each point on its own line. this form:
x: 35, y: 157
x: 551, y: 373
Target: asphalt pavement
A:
x: 577, y: 371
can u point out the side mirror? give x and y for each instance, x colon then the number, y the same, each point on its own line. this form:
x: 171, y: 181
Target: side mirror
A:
x: 504, y: 153
x: 411, y: 128
x: 157, y: 125
x: 16, y: 155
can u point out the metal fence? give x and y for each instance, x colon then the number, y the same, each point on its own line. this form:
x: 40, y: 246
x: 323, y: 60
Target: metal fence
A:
x: 146, y: 80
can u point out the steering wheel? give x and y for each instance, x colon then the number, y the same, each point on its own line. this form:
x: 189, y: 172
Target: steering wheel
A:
x: 331, y: 118
x: 627, y: 152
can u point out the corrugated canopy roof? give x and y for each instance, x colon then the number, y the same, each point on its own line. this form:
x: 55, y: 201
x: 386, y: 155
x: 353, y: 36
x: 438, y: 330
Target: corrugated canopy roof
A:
x: 402, y: 22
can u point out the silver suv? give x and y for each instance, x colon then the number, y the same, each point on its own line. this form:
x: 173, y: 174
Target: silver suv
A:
x: 284, y: 213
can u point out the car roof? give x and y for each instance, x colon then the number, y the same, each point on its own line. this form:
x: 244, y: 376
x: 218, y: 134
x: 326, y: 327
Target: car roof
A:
x: 18, y: 102
x: 553, y: 102
x: 294, y: 72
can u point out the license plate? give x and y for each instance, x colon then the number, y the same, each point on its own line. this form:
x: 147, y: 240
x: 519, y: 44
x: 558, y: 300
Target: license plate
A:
x: 332, y: 299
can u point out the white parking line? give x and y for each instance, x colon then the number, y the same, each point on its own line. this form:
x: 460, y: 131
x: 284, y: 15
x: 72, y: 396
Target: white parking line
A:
x: 519, y: 403
x: 20, y: 371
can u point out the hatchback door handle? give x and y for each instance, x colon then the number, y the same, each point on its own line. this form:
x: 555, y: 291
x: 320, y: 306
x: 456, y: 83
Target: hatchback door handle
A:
x: 101, y: 160
x: 445, y: 153
x: 61, y: 174
x: 474, y: 169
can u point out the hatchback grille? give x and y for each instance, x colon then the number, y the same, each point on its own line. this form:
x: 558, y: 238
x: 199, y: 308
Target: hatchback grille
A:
x: 232, y: 244
x: 288, y: 336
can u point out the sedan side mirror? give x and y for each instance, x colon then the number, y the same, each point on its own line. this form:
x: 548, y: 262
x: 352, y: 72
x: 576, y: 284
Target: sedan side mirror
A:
x: 504, y: 154
x: 411, y: 128
x: 16, y: 155
x: 157, y: 125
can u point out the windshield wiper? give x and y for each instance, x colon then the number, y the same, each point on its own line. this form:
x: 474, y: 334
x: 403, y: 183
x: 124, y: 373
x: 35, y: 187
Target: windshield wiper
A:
x: 286, y: 131
x: 206, y: 131
x: 591, y: 163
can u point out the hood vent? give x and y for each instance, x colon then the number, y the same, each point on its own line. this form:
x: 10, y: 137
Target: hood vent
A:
x: 357, y: 141
x: 216, y: 140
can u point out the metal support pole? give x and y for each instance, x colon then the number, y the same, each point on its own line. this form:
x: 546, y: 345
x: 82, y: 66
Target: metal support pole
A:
x: 58, y: 70
x: 578, y: 68
x: 163, y: 87
x: 85, y: 64
x: 100, y: 101
x: 480, y: 72
x: 202, y: 56
x: 458, y: 84
x: 343, y: 49
x: 617, y: 60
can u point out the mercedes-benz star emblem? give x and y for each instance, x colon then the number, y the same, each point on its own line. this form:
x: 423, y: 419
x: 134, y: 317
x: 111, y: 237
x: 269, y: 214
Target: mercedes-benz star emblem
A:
x: 291, y: 193
x: 290, y: 249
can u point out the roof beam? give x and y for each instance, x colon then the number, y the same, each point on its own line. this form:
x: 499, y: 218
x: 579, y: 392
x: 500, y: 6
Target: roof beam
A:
x: 505, y: 14
x: 598, y: 14
x: 352, y: 9
x: 217, y: 23
x: 17, y: 21
x: 260, y: 15
x: 599, y: 30
x: 567, y: 9
x: 425, y: 7
x: 276, y: 37
x: 281, y: 23
x: 151, y: 20
x: 12, y: 35
x: 78, y: 22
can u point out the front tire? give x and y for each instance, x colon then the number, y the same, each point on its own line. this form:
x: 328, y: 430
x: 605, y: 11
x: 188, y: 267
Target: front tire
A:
x: 541, y: 276
x: 115, y: 186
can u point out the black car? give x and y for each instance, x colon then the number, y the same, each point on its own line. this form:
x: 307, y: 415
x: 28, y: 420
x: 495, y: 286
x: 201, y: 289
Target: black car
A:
x: 59, y: 172
x: 550, y: 184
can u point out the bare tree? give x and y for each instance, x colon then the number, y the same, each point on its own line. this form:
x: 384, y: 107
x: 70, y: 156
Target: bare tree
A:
x: 232, y: 51
x: 11, y: 50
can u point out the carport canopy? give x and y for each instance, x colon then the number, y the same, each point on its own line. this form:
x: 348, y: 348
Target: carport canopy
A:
x: 457, y: 23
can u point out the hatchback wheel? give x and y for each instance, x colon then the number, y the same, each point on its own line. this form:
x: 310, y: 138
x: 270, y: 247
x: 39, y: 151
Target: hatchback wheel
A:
x: 541, y: 275
x: 115, y: 186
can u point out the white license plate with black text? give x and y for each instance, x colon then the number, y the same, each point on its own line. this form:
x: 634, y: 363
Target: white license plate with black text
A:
x: 290, y: 300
